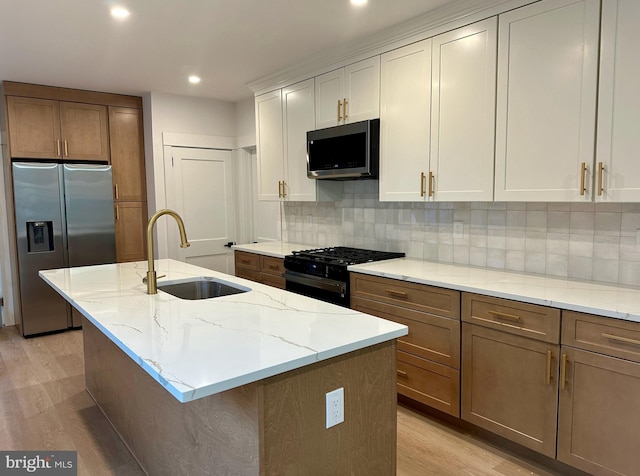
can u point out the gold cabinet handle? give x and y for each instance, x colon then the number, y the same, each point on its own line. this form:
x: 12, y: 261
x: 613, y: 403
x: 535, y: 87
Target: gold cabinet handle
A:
x: 116, y: 191
x: 431, y: 177
x: 402, y: 374
x: 504, y: 315
x: 66, y: 148
x: 345, y: 109
x: 274, y: 266
x: 563, y: 372
x: 117, y: 212
x: 279, y: 189
x: 583, y: 178
x: 395, y: 293
x: 339, y: 106
x: 58, y: 146
x: 245, y: 261
x: 600, y: 185
x: 624, y: 340
x: 422, y: 176
x: 549, y: 360
x: 284, y: 189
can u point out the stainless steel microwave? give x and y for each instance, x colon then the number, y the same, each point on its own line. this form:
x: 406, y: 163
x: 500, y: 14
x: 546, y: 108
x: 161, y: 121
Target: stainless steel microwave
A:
x: 350, y: 151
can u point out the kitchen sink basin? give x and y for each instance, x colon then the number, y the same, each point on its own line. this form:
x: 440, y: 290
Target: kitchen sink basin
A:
x: 201, y: 288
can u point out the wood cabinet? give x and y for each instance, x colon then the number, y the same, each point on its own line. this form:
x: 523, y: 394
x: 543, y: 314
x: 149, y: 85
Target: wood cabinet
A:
x: 42, y: 128
x: 617, y: 172
x: 127, y: 154
x: 348, y: 94
x: 433, y: 93
x: 429, y: 356
x: 599, y: 400
x: 546, y: 101
x: 260, y: 268
x: 510, y: 364
x: 283, y: 118
x: 131, y: 227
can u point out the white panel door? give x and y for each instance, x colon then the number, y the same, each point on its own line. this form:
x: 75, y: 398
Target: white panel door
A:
x: 618, y: 167
x: 362, y: 90
x: 405, y: 105
x: 269, y: 142
x: 299, y: 117
x: 463, y: 113
x: 329, y: 90
x: 546, y: 101
x: 203, y: 196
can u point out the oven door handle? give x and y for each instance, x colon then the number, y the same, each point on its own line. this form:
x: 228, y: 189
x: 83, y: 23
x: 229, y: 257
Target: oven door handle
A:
x: 315, y: 282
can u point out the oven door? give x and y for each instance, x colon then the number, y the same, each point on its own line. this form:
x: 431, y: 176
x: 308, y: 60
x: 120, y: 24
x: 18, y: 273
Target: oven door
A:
x: 324, y: 289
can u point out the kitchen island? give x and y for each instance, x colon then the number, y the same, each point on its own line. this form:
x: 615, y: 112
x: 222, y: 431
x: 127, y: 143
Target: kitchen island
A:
x: 235, y: 384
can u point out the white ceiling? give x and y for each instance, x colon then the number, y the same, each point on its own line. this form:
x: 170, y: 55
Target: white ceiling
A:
x: 228, y: 43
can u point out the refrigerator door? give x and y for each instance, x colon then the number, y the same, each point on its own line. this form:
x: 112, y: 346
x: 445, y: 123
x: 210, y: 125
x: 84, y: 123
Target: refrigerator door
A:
x: 90, y: 217
x: 40, y: 241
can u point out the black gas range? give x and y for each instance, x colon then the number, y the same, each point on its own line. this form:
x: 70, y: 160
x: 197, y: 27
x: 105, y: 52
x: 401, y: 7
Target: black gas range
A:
x: 322, y: 273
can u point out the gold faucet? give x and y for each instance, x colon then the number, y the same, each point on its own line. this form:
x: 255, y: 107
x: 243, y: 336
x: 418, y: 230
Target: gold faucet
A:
x: 152, y: 282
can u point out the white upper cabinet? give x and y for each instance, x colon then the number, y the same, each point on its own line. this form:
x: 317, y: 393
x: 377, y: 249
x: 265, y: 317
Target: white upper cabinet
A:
x: 269, y: 143
x: 437, y: 109
x: 546, y: 101
x: 617, y: 165
x: 299, y: 118
x: 348, y: 94
x: 463, y: 109
x: 405, y: 122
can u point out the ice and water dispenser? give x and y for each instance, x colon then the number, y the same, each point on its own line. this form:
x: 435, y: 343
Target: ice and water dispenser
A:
x: 39, y: 236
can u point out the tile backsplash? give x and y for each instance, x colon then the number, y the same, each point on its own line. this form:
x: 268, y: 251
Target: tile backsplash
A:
x: 595, y: 242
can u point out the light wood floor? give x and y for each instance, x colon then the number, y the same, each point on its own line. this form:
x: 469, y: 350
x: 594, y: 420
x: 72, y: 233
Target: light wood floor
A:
x: 43, y: 405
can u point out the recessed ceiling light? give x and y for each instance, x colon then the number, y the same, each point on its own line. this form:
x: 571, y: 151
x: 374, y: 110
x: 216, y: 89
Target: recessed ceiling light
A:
x: 119, y: 12
x: 194, y: 79
x: 358, y: 2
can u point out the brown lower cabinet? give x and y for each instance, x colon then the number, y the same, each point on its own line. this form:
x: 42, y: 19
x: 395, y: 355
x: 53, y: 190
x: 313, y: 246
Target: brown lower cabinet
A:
x: 260, y: 268
x: 131, y: 225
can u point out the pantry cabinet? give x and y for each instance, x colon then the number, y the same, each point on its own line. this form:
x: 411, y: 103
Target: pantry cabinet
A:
x: 510, y: 362
x: 42, y: 128
x: 617, y: 171
x: 546, y: 101
x: 348, y: 94
x: 433, y: 93
x: 599, y: 394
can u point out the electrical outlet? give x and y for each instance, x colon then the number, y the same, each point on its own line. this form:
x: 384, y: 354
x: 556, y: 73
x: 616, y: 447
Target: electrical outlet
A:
x: 458, y: 230
x: 335, y: 407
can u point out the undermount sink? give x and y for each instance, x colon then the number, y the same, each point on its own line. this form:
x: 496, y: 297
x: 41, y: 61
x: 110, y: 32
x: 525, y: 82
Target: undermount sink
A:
x: 201, y: 288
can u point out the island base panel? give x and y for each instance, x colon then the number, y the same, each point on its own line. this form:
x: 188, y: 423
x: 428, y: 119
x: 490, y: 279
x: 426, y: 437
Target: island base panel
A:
x: 273, y: 426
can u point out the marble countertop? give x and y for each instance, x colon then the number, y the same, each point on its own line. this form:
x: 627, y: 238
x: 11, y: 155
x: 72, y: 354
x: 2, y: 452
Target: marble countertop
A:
x: 593, y: 298
x: 198, y: 348
x: 277, y: 249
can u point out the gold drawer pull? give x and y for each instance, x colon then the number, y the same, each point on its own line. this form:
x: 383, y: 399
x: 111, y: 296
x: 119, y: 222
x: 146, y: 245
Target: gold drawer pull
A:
x: 431, y: 177
x: 503, y: 315
x: 339, y: 106
x: 549, y: 359
x: 344, y: 109
x: 402, y: 374
x: 422, y: 176
x: 563, y: 372
x: 624, y: 340
x: 245, y: 261
x: 274, y: 266
x: 600, y: 186
x: 583, y: 173
x: 393, y: 292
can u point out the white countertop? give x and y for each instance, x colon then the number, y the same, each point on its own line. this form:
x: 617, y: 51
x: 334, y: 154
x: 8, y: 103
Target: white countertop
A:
x: 277, y: 249
x: 593, y: 298
x: 198, y: 348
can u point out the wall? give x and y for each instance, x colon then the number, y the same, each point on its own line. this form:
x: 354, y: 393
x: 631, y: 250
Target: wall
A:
x: 246, y: 123
x: 575, y: 240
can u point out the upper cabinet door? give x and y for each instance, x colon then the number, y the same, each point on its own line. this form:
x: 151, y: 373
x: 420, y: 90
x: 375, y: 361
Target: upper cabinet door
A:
x: 269, y: 142
x: 85, y: 131
x: 127, y: 153
x: 463, y: 113
x: 405, y: 105
x: 617, y: 164
x: 362, y: 90
x: 329, y: 89
x: 546, y: 101
x: 34, y: 128
x: 299, y: 118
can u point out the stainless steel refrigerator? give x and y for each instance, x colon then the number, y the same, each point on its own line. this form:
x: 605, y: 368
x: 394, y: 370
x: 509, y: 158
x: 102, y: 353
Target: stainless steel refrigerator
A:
x: 64, y: 218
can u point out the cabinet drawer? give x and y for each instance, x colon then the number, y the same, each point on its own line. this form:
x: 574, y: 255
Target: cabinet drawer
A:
x: 432, y: 384
x: 246, y: 273
x: 247, y: 260
x: 529, y: 320
x: 439, y: 301
x: 271, y: 265
x: 271, y: 280
x: 430, y: 337
x: 601, y: 334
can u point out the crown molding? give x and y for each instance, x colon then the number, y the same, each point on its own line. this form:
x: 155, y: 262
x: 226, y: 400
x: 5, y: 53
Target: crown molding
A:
x: 448, y: 17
